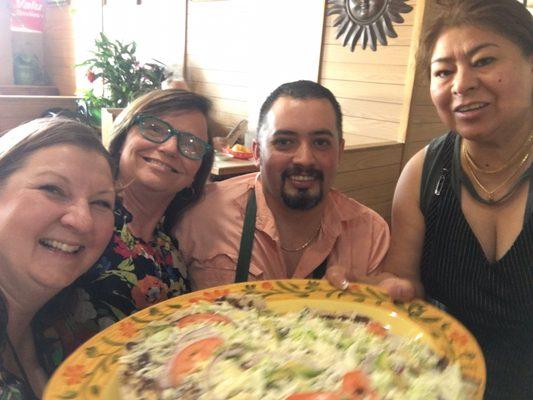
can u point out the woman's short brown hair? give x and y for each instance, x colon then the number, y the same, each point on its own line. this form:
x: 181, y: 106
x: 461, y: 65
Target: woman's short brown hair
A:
x: 158, y: 103
x: 508, y: 18
x: 17, y: 144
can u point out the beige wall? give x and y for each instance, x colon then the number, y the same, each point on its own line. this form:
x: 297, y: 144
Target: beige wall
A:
x: 239, y: 50
x: 215, y: 57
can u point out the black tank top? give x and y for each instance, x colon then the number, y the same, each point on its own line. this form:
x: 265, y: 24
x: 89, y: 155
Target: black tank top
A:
x: 493, y: 300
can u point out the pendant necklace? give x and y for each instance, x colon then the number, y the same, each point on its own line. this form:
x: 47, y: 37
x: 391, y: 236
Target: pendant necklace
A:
x: 303, y: 246
x: 523, y: 149
x: 490, y: 193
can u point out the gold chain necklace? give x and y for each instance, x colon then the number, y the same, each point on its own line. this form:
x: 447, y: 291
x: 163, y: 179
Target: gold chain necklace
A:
x: 303, y: 246
x: 490, y: 193
x: 525, y: 147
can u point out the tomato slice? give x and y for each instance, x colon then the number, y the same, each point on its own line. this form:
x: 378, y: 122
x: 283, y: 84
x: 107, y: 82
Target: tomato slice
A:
x: 356, y: 385
x: 314, y: 396
x: 188, y: 358
x: 376, y: 328
x: 202, y: 317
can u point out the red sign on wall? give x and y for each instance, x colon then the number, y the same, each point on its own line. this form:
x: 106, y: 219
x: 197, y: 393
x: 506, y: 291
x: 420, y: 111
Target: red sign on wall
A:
x: 27, y: 15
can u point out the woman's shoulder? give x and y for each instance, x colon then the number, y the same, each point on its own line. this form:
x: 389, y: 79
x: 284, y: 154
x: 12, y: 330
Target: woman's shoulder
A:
x: 440, y: 144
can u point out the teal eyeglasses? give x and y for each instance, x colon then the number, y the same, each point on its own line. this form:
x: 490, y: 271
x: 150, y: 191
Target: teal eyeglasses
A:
x: 158, y: 131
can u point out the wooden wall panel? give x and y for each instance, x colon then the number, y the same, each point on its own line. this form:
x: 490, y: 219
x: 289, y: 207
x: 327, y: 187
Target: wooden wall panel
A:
x: 15, y: 110
x: 6, y: 58
x: 370, y: 127
x: 362, y: 159
x: 391, y: 55
x: 376, y: 110
x: 377, y: 92
x: 370, y: 86
x: 362, y: 141
x: 58, y: 48
x: 374, y: 195
x: 369, y: 175
x: 422, y: 121
x: 384, y: 74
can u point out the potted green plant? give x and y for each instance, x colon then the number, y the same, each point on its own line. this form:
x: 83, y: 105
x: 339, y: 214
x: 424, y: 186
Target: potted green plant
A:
x: 119, y: 75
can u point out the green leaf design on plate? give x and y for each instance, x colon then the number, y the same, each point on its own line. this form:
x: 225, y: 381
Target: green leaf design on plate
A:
x: 415, y: 309
x: 111, y: 342
x: 140, y: 320
x: 154, y: 311
x: 91, y: 351
x: 429, y: 320
x: 71, y: 394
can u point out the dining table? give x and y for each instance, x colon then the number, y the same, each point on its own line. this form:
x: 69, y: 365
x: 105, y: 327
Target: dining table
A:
x: 230, y: 167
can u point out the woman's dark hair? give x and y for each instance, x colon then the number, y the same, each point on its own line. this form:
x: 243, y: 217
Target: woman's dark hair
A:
x: 17, y: 144
x: 507, y: 18
x: 159, y: 103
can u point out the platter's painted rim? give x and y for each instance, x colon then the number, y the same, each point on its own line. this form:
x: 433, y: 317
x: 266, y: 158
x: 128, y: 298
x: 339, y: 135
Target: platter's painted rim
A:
x: 86, y: 372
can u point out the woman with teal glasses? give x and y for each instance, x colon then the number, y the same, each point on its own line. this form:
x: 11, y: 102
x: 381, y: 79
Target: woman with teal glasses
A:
x: 163, y: 149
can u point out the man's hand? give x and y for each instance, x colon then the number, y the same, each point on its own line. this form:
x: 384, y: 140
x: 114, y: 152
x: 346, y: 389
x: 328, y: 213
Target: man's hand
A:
x: 397, y: 288
x: 336, y: 277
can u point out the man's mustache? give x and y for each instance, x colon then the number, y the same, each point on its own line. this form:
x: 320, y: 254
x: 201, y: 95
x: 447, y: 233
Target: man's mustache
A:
x: 297, y: 170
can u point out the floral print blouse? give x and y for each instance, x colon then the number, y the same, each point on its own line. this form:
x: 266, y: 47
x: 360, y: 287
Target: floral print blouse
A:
x: 11, y: 386
x: 130, y: 275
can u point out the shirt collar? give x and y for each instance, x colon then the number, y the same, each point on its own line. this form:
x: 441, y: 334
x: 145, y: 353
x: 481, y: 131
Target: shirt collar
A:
x: 335, y: 213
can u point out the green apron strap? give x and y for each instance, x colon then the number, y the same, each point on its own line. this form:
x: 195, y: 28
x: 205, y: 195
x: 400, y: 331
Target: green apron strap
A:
x: 247, y: 240
x: 247, y: 243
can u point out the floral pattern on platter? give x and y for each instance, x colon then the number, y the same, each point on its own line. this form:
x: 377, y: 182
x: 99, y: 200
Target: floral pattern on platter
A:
x: 444, y: 334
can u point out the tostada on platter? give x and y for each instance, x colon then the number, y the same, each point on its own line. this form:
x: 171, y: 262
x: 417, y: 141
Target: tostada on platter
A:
x: 293, y: 340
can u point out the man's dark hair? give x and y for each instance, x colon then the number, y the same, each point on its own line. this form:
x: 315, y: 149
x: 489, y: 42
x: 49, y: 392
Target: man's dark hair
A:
x: 301, y: 90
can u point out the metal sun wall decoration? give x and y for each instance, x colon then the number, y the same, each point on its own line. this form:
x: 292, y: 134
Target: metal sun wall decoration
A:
x: 367, y: 21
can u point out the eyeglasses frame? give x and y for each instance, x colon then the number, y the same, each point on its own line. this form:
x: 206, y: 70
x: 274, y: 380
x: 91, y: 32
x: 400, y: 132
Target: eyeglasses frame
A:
x: 172, y: 132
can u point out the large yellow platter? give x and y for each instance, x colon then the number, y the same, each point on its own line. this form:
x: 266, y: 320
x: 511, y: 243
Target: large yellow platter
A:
x: 90, y: 372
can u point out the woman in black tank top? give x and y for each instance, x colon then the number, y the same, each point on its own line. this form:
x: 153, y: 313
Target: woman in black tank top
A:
x: 462, y: 226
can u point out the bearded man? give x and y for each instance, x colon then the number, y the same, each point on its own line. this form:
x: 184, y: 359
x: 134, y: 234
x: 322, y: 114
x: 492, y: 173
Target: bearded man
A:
x: 285, y: 221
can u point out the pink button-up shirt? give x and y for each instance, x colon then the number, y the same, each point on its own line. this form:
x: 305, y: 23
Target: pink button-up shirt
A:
x: 352, y: 236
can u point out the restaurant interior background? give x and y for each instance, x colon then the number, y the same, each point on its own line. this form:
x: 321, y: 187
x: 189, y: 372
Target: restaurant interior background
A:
x: 235, y: 52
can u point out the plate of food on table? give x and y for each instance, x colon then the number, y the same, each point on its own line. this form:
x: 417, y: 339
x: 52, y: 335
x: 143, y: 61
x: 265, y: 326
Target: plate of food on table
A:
x: 240, y: 151
x: 280, y: 339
